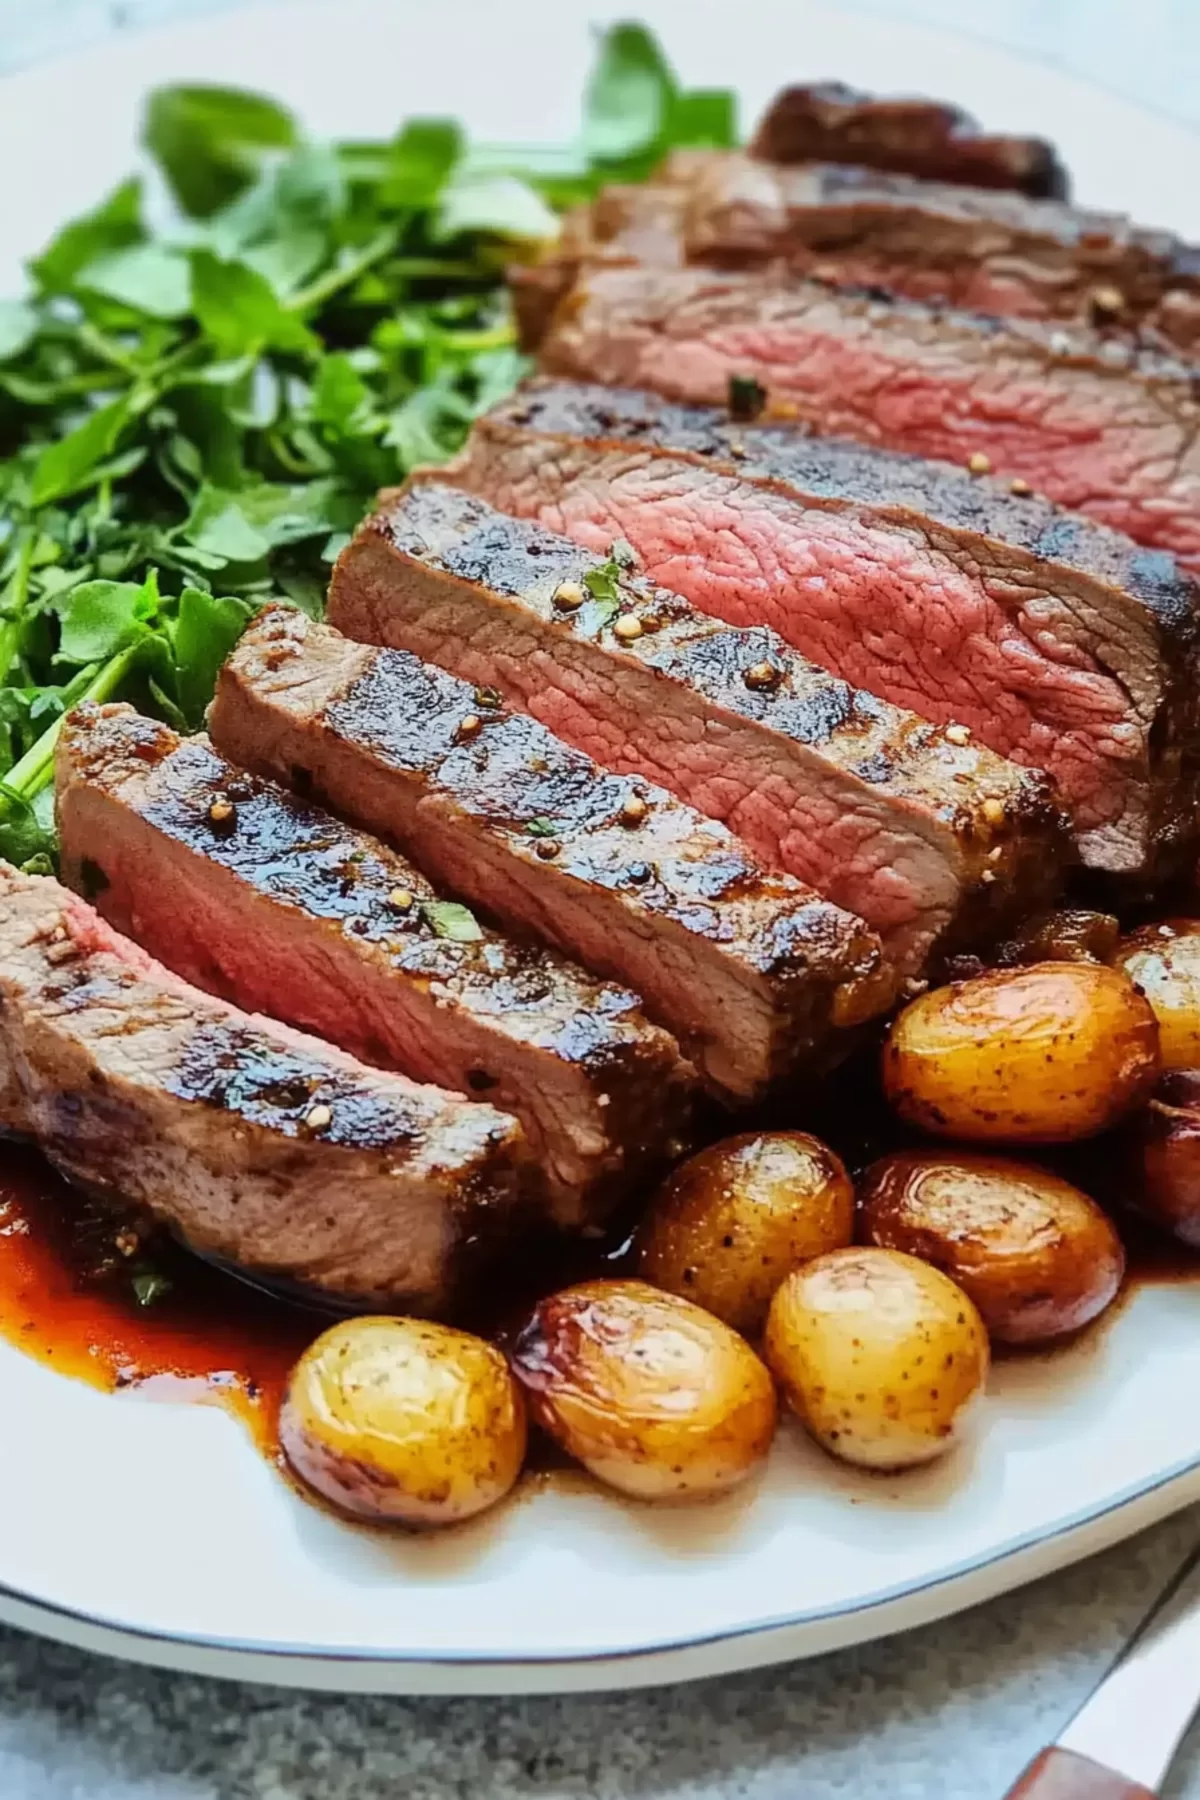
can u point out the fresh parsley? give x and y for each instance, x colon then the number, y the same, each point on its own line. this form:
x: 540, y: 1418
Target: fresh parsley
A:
x: 194, y: 416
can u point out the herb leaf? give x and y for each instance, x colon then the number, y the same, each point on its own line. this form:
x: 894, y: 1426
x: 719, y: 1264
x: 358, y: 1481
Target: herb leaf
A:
x: 211, y: 142
x: 629, y: 97
x: 450, y: 920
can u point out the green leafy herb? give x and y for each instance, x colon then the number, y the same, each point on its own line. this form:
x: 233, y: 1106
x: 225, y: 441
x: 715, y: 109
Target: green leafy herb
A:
x: 747, y: 398
x: 211, y: 142
x: 542, y: 828
x: 150, y: 1286
x: 195, y: 415
x: 450, y: 920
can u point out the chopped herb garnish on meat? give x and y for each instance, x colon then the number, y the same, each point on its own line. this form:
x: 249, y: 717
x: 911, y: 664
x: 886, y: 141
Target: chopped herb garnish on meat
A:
x: 195, y: 413
x: 450, y: 920
x: 542, y: 828
x: 747, y: 398
x: 150, y: 1287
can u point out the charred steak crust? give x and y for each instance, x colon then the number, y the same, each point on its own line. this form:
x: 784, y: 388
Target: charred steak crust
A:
x: 985, y: 251
x: 279, y: 906
x: 254, y: 1143
x: 751, y: 971
x: 829, y: 122
x: 1103, y: 426
x: 975, y: 248
x: 934, y: 840
x: 1070, y: 646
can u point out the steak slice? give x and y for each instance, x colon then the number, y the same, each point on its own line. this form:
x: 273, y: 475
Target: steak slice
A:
x: 985, y: 251
x: 752, y: 972
x: 934, y: 843
x: 829, y: 122
x: 1062, y: 644
x: 1095, y: 424
x: 931, y: 241
x: 281, y: 908
x: 254, y: 1143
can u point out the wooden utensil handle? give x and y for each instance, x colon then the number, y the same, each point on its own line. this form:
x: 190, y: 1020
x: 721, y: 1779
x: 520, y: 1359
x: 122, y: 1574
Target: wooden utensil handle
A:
x: 1061, y: 1775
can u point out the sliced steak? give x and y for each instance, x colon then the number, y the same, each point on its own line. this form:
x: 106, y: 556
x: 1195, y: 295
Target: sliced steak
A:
x: 1094, y: 424
x: 254, y: 1143
x: 1062, y: 644
x: 932, y: 842
x: 274, y: 904
x: 968, y: 247
x: 752, y: 972
x: 829, y: 122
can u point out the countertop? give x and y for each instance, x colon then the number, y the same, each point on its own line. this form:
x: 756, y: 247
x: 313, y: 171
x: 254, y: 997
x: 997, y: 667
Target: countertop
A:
x: 940, y: 1714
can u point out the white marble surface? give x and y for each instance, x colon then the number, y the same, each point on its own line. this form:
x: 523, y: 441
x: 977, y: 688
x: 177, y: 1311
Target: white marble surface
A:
x: 946, y: 1713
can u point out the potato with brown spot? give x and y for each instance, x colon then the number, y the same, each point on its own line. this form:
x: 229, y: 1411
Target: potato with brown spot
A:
x: 1046, y: 1054
x: 404, y: 1422
x: 1163, y: 961
x: 1037, y: 1256
x: 881, y: 1356
x: 730, y: 1223
x: 653, y: 1395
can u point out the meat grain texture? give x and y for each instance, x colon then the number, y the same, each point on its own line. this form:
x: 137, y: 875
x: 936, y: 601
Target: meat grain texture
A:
x: 277, y: 906
x: 1100, y: 426
x: 754, y: 974
x: 1061, y: 644
x: 933, y: 841
x: 255, y: 1144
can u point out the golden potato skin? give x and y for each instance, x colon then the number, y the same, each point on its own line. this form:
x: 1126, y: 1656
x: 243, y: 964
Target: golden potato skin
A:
x: 1045, y: 1054
x: 1037, y: 1256
x: 403, y: 1421
x: 1164, y: 962
x: 650, y: 1393
x: 879, y: 1354
x: 730, y: 1223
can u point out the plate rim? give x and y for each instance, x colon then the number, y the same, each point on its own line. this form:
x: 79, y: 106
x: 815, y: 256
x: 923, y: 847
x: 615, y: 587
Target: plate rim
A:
x: 961, y: 1587
x: 903, y: 1605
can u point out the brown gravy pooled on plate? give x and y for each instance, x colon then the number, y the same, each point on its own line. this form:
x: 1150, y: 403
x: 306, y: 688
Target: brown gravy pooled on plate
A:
x: 68, y: 1298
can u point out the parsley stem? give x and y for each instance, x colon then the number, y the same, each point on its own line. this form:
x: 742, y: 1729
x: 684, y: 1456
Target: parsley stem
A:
x: 345, y: 274
x: 36, y: 768
x: 14, y: 606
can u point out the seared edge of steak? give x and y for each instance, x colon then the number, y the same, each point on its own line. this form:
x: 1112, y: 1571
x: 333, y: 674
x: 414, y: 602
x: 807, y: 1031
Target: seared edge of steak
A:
x: 253, y: 1142
x: 983, y: 835
x: 1135, y: 611
x: 277, y: 906
x: 1106, y: 426
x: 752, y: 971
x: 830, y: 122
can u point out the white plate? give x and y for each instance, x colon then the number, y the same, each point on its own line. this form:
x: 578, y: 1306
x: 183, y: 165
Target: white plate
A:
x: 157, y: 1530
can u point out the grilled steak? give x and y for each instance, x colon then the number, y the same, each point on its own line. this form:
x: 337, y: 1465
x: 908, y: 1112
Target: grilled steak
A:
x: 281, y: 908
x: 254, y: 1143
x: 833, y: 123
x: 988, y: 252
x: 1062, y: 644
x: 969, y: 247
x: 933, y: 842
x: 1094, y: 424
x: 752, y: 972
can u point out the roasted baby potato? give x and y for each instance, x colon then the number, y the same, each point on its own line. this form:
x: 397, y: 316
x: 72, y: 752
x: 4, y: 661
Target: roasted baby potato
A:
x: 729, y: 1224
x: 1164, y: 962
x: 654, y: 1396
x: 1036, y: 1256
x: 1165, y: 1171
x: 880, y: 1355
x: 402, y: 1421
x: 1038, y: 1055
